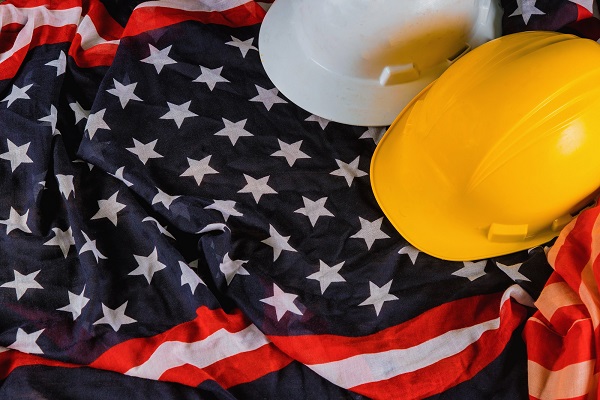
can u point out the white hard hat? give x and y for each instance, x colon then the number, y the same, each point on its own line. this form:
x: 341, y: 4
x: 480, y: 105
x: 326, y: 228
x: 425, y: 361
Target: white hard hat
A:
x: 360, y: 62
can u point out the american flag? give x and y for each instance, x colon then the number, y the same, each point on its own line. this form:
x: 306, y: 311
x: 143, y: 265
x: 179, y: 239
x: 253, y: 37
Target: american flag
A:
x: 172, y: 227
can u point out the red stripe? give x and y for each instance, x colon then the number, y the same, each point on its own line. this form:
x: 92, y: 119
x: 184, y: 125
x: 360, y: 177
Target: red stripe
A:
x: 144, y: 19
x: 49, y: 4
x: 235, y: 370
x: 564, y: 318
x: 584, y: 397
x: 131, y: 353
x: 106, y: 26
x: 108, y: 29
x: 583, y: 13
x: 449, y: 316
x: 574, y: 254
x: 450, y: 371
x: 101, y: 55
x: 12, y: 359
x: 9, y: 34
x: 554, y: 351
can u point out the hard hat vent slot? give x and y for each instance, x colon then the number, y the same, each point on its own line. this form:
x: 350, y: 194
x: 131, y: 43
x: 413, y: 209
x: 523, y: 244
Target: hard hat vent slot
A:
x: 459, y: 53
x: 397, y: 74
x: 507, y: 233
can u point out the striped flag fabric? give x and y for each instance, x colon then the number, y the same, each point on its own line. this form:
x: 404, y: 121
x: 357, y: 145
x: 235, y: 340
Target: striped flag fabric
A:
x: 562, y: 335
x: 173, y: 227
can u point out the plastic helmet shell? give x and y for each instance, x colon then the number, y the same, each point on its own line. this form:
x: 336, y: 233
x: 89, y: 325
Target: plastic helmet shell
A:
x: 499, y: 153
x: 360, y: 62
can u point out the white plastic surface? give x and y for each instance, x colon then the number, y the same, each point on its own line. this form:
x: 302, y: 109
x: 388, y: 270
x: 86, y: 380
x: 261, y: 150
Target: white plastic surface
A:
x: 359, y: 62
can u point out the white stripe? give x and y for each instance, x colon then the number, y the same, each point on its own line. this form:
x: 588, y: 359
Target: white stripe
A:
x: 519, y: 294
x: 89, y: 34
x: 588, y: 288
x: 555, y: 296
x: 195, y: 5
x: 214, y: 348
x: 32, y: 18
x: 366, y: 368
x: 574, y: 380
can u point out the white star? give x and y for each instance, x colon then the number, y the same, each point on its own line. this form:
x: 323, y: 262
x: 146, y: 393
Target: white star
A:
x: 587, y: 4
x: 17, y: 93
x: 51, y: 118
x: 17, y: 155
x: 327, y: 275
x: 210, y: 76
x: 144, y: 151
x: 277, y: 242
x: 16, y: 221
x: 60, y: 63
x: 26, y: 342
x: 23, y: 283
x: 379, y: 295
x: 233, y: 130
x: 374, y: 132
x: 159, y: 58
x: 109, y: 208
x: 526, y: 8
x: 213, y: 228
x: 119, y: 175
x: 179, y: 112
x: 314, y: 209
x: 225, y: 207
x: 95, y: 121
x: 348, y: 171
x: 124, y: 92
x: 322, y: 121
x: 80, y: 112
x: 76, y: 304
x: 283, y: 302
x: 65, y: 185
x: 291, y: 152
x: 160, y: 228
x: 62, y: 239
x: 189, y: 277
x: 370, y: 231
x: 115, y: 318
x: 230, y: 268
x: 148, y: 265
x: 257, y: 187
x: 472, y: 270
x: 164, y: 198
x: 513, y: 271
x: 411, y: 252
x: 90, y: 245
x: 199, y: 168
x: 244, y: 46
x: 268, y: 97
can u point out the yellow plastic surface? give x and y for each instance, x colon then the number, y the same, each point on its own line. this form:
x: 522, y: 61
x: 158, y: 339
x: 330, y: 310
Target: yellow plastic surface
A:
x: 496, y: 154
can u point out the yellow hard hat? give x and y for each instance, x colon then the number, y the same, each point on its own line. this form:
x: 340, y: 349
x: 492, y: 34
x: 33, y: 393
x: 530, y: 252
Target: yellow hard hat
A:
x: 499, y: 153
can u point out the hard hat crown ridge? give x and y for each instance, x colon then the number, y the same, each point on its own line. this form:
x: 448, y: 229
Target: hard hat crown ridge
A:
x: 361, y: 61
x: 496, y: 154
